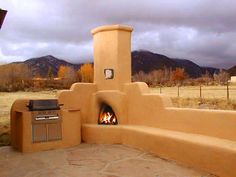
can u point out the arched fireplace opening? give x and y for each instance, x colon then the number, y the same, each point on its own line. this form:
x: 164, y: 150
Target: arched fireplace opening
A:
x: 107, y: 115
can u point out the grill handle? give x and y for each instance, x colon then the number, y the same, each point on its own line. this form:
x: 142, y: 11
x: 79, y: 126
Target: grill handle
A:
x: 27, y: 105
x: 31, y: 106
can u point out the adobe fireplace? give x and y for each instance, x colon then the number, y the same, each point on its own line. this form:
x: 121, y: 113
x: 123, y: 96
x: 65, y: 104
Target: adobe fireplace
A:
x: 204, y: 139
x: 107, y: 115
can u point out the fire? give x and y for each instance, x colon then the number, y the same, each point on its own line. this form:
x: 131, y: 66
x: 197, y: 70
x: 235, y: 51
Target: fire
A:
x: 107, y: 116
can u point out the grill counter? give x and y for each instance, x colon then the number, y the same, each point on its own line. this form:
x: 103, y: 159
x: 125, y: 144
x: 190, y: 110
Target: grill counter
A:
x: 46, y: 120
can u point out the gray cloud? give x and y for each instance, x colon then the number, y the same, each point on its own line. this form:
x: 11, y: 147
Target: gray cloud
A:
x: 200, y: 30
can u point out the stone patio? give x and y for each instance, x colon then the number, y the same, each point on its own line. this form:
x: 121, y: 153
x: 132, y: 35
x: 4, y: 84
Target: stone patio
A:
x: 91, y: 160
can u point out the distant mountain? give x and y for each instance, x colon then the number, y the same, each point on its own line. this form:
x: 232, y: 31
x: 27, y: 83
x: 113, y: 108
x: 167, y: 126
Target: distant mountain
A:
x: 147, y: 61
x: 232, y: 71
x: 211, y: 70
x: 191, y: 68
x: 141, y: 61
x: 40, y: 66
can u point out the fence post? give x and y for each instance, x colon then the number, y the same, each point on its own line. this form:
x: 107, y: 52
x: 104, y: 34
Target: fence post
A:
x: 160, y: 89
x: 200, y: 91
x: 227, y: 90
x: 178, y: 90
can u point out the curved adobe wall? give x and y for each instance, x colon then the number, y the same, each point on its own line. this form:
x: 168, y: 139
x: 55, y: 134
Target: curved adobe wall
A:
x: 216, y: 123
x: 78, y: 97
x: 143, y: 107
x: 155, y: 110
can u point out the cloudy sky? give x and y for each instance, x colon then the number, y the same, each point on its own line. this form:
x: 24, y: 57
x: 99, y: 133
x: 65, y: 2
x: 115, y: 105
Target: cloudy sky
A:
x: 203, y: 31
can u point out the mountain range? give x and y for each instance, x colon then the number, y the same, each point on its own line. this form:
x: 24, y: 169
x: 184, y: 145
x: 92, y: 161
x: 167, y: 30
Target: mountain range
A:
x: 141, y: 61
x: 148, y: 61
x: 40, y: 66
x: 232, y: 71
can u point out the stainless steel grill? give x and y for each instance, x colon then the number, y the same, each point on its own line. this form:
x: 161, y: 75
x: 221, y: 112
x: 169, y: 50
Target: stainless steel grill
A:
x: 46, y: 120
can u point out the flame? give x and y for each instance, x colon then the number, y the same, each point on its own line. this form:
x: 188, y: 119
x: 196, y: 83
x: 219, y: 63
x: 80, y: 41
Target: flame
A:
x: 107, y: 118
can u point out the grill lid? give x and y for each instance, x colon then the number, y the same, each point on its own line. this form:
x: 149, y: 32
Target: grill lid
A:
x: 40, y: 105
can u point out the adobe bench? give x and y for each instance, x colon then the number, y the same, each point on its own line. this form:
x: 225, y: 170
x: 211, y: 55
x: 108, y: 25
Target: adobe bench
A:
x: 204, y: 152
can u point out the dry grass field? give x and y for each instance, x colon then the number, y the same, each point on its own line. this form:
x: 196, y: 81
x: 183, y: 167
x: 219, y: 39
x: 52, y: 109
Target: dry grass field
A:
x: 212, y: 98
x: 6, y: 100
x: 208, y: 92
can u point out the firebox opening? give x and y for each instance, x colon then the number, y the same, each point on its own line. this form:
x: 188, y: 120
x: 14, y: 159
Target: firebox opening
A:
x: 107, y: 116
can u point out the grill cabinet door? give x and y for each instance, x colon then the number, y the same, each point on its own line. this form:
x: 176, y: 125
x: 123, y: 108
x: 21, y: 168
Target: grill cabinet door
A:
x: 54, y: 131
x: 39, y: 132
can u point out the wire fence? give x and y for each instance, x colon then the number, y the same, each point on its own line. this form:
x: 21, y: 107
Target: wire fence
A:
x: 227, y: 92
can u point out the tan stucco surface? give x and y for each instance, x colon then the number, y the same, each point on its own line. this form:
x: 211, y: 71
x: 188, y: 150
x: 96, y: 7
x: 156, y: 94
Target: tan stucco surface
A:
x: 112, y: 46
x: 21, y: 129
x: 215, y: 155
x: 205, y: 139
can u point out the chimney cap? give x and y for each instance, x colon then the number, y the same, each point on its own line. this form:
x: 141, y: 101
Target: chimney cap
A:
x: 112, y: 27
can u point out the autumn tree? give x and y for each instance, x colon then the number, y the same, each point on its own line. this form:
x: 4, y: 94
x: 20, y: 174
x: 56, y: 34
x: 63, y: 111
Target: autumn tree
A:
x: 62, y: 71
x: 86, y: 72
x: 179, y: 75
x: 50, y: 74
x: 66, y: 72
x: 67, y: 75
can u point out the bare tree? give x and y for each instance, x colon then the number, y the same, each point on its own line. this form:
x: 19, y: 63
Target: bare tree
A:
x: 222, y: 77
x: 14, y: 77
x: 206, y: 78
x: 157, y: 77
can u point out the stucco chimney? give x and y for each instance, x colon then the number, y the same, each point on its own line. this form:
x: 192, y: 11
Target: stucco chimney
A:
x: 112, y: 56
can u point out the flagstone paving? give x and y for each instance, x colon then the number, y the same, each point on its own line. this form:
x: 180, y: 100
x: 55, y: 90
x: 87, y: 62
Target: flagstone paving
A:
x: 91, y: 160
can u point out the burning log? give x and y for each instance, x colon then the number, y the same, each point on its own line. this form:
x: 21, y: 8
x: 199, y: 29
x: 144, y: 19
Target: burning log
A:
x: 107, y: 116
